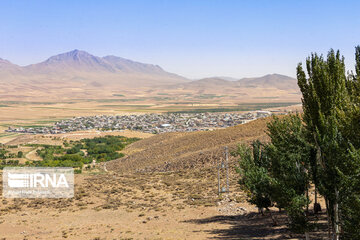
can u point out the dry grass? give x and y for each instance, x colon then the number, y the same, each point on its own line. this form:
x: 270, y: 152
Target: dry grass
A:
x: 172, y: 205
x: 178, y: 151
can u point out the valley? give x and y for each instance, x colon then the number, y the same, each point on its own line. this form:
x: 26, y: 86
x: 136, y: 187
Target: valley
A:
x: 145, y: 145
x: 165, y: 187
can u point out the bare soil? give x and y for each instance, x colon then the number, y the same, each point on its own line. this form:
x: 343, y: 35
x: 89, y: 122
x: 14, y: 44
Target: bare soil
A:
x: 173, y: 205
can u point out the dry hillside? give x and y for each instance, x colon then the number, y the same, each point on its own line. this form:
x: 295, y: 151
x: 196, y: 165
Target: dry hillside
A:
x: 178, y: 151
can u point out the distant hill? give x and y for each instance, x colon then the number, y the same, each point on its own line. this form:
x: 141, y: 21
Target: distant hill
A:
x: 276, y: 81
x: 7, y: 68
x: 205, y: 83
x: 227, y: 78
x: 271, y: 80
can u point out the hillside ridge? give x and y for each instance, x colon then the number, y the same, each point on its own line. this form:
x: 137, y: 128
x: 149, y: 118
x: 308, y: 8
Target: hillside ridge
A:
x: 189, y: 150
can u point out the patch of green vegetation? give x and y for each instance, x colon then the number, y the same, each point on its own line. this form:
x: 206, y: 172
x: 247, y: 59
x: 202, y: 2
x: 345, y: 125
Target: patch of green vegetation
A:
x: 118, y: 100
x: 62, y: 108
x: 48, y: 121
x: 162, y: 98
x: 3, y: 105
x: 81, y: 152
x: 59, y: 108
x: 33, y: 124
x: 26, y: 103
x: 5, y: 154
x: 178, y: 103
x: 9, y: 163
x: 127, y: 106
x: 241, y: 107
x: 266, y: 97
x: 109, y: 100
x: 209, y: 96
x: 7, y: 134
x: 118, y: 95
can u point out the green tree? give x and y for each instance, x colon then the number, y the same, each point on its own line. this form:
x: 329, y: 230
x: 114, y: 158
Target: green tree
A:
x: 331, y: 113
x: 276, y: 173
x: 289, y: 155
x: 20, y: 154
x: 255, y: 179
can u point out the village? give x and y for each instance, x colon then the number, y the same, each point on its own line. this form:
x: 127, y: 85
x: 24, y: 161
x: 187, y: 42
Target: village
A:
x: 148, y: 123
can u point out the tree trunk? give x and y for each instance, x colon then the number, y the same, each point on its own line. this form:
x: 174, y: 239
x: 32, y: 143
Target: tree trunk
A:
x: 336, y: 215
x: 328, y: 218
x: 307, y: 198
x: 261, y: 210
x: 272, y: 217
x: 307, y: 237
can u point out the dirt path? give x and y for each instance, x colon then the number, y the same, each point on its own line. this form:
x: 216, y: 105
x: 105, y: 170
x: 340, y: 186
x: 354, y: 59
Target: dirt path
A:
x: 32, y: 155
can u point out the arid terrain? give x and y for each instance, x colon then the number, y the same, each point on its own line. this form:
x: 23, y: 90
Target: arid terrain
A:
x: 164, y: 188
x: 172, y: 120
x: 174, y: 205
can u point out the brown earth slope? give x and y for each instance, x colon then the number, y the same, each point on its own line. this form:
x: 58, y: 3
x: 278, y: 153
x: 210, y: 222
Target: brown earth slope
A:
x: 178, y: 151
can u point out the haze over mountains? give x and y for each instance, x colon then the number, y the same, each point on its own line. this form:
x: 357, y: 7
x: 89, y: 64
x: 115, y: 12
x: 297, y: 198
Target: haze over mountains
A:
x: 270, y: 81
x: 80, y: 65
x: 78, y: 73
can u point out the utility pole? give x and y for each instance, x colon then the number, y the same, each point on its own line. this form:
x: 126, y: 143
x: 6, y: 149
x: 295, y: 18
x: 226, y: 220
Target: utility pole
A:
x: 218, y: 167
x: 227, y: 168
x: 223, y: 169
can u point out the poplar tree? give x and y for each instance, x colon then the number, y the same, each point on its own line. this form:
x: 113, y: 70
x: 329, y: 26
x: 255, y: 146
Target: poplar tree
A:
x: 276, y: 173
x: 326, y: 103
x: 255, y: 178
x: 321, y: 147
x: 350, y: 195
x: 289, y: 154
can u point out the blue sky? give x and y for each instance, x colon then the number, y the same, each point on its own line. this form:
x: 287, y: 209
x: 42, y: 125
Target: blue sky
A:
x: 194, y: 38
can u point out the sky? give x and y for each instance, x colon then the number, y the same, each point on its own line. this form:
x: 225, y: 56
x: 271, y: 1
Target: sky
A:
x: 193, y: 38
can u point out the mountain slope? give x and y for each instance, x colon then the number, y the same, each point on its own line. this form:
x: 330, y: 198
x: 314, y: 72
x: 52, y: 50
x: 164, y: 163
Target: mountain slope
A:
x: 81, y: 66
x: 205, y: 83
x: 127, y: 65
x: 276, y: 81
x: 271, y: 80
x: 8, y: 68
x: 79, y: 61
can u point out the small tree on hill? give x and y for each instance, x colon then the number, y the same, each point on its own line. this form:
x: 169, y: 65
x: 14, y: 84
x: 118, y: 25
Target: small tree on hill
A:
x: 254, y: 175
x: 289, y: 156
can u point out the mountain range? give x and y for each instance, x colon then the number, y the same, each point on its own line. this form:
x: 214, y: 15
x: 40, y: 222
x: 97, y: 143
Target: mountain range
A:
x: 80, y: 65
x: 268, y: 81
x: 78, y: 73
